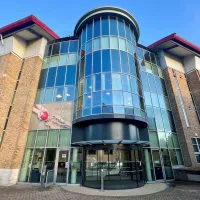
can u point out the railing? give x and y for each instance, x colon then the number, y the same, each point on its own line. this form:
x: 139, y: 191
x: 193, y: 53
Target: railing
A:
x: 49, y: 178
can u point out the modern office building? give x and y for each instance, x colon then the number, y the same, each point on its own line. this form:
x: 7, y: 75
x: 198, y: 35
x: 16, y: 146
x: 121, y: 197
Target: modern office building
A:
x: 97, y: 104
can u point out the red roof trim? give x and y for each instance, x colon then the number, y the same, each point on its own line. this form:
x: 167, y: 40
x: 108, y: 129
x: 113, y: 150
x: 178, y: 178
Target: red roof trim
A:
x: 26, y: 21
x: 178, y: 39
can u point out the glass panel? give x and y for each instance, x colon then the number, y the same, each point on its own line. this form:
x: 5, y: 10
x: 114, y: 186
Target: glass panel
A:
x: 89, y: 47
x: 195, y: 148
x: 132, y: 65
x: 106, y: 65
x: 152, y: 83
x: 71, y: 75
x: 162, y: 139
x: 87, y: 100
x: 116, y: 82
x: 106, y: 97
x: 105, y: 26
x: 117, y: 98
x: 65, y: 138
x: 69, y: 93
x: 175, y: 140
x: 63, y: 59
x: 96, y: 27
x: 60, y: 78
x: 56, y: 49
x: 169, y: 140
x: 154, y: 98
x: 128, y: 32
x: 118, y: 109
x: 128, y: 99
x: 113, y: 26
x: 48, y: 50
x: 88, y: 65
x: 96, y: 98
x: 145, y: 81
x: 48, y: 95
x: 198, y: 158
x: 167, y: 164
x: 58, y: 94
x: 72, y: 59
x: 36, y: 166
x: 54, y: 61
x: 86, y: 111
x: 107, y: 109
x: 97, y: 44
x: 147, y: 98
x: 158, y: 118
x: 171, y: 121
x: 165, y: 120
x: 106, y: 82
x: 179, y: 157
x: 115, y: 61
x: 122, y: 44
x: 89, y: 31
x: 124, y: 62
x: 62, y: 170
x: 153, y: 137
x: 151, y: 118
x: 73, y: 46
x: 31, y: 139
x: 96, y: 85
x: 88, y: 85
x: 126, y: 83
x: 134, y: 87
x: 114, y: 43
x: 97, y: 62
x: 39, y: 96
x: 136, y: 101
x: 52, y: 138
x: 41, y: 138
x: 194, y: 141
x: 25, y: 169
x: 157, y: 164
x: 83, y: 36
x: 105, y: 43
x: 173, y: 156
x: 43, y: 77
x: 45, y: 63
x: 51, y: 77
x: 121, y: 28
x: 96, y: 110
x: 64, y: 47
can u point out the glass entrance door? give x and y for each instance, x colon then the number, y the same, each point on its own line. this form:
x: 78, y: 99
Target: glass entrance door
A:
x: 62, y: 166
x: 157, y: 164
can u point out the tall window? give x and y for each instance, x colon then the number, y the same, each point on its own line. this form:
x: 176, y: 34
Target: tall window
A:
x: 196, y: 147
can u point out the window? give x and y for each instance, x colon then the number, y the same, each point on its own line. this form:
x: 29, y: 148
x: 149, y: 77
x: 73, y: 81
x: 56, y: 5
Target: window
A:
x: 96, y: 44
x: 113, y: 26
x: 89, y: 31
x: 121, y: 28
x: 70, y: 77
x: 124, y: 62
x: 106, y: 98
x: 116, y: 82
x: 152, y: 83
x: 89, y: 47
x: 48, y: 95
x: 106, y: 82
x: 64, y: 47
x: 151, y: 118
x: 39, y: 96
x: 128, y: 99
x: 51, y: 77
x: 158, y: 118
x: 88, y: 85
x: 96, y: 82
x: 83, y: 36
x: 117, y: 98
x: 126, y: 83
x: 114, y: 43
x: 60, y: 78
x: 69, y: 93
x: 132, y: 65
x: 134, y: 86
x: 96, y: 28
x: 58, y: 94
x: 106, y: 61
x: 88, y: 65
x: 115, y: 61
x: 105, y: 44
x: 56, y: 49
x: 153, y: 137
x: 97, y: 62
x: 73, y: 46
x: 147, y: 98
x: 122, y: 44
x: 154, y: 98
x: 43, y: 77
x: 96, y: 98
x: 54, y: 61
x: 105, y: 26
x: 128, y: 32
x: 196, y: 147
x: 144, y: 81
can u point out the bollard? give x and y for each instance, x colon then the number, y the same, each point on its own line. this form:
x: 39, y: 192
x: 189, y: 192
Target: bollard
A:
x: 102, y: 182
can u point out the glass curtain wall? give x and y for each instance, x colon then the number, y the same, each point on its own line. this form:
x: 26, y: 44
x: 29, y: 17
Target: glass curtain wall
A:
x: 108, y: 78
x: 40, y: 150
x: 58, y: 75
x: 162, y: 131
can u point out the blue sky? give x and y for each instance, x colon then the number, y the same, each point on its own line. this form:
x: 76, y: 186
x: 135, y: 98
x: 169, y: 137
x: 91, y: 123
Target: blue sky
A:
x: 156, y: 18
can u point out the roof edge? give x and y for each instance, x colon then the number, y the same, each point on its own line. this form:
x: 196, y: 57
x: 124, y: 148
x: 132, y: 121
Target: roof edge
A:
x: 31, y: 19
x: 179, y: 40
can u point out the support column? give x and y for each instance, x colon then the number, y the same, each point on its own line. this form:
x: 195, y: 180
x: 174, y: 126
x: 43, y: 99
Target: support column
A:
x: 147, y: 164
x: 73, y: 166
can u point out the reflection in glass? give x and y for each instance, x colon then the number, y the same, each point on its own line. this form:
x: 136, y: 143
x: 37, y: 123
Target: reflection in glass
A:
x: 97, y: 62
x: 96, y: 27
x: 89, y: 31
x: 128, y: 99
x: 88, y: 65
x: 126, y: 83
x: 48, y: 95
x: 60, y: 78
x: 58, y: 95
x: 105, y: 43
x: 51, y: 77
x: 96, y: 44
x: 106, y: 65
x: 115, y: 61
x: 116, y: 82
x: 121, y: 28
x: 114, y: 43
x: 124, y: 62
x: 106, y: 82
x: 117, y: 98
x: 106, y: 97
x: 105, y: 26
x: 113, y: 26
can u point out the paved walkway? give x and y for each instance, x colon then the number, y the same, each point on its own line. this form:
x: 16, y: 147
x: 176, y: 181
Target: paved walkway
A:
x: 146, y: 189
x: 178, y: 191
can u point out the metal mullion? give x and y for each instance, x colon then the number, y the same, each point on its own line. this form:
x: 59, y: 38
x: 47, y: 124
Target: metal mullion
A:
x: 152, y: 160
x: 33, y: 155
x: 67, y: 174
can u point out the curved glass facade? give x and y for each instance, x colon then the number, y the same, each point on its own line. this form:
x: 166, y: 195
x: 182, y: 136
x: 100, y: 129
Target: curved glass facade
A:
x: 108, y: 77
